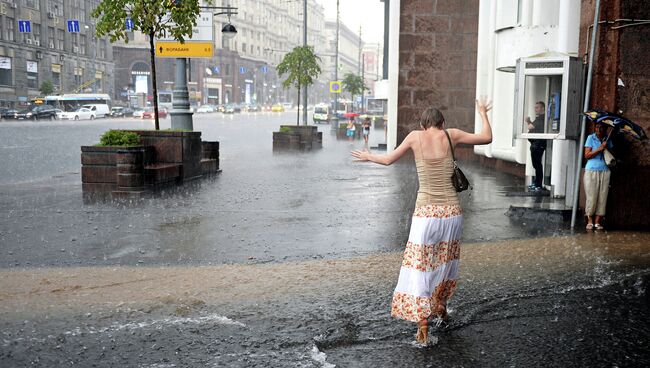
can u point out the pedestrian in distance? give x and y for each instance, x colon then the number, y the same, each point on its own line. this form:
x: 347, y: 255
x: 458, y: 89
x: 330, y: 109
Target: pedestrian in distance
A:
x: 596, y: 177
x: 366, y: 129
x: 429, y: 269
x: 350, y: 130
x: 537, y: 146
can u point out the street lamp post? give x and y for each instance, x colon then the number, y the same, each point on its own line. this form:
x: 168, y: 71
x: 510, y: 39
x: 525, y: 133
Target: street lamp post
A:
x: 181, y: 115
x: 304, y: 43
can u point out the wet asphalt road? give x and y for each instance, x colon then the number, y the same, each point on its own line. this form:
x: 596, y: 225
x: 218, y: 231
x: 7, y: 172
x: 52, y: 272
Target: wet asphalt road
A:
x: 263, y: 207
x: 289, y: 261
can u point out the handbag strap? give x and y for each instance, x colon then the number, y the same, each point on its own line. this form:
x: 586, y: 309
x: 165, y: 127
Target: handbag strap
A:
x: 453, y: 156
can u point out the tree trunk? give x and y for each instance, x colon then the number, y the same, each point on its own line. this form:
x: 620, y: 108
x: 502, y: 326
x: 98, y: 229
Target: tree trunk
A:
x: 298, y: 113
x: 154, y: 83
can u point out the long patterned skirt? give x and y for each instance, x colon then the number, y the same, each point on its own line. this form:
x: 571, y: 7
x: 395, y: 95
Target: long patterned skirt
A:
x: 427, y: 278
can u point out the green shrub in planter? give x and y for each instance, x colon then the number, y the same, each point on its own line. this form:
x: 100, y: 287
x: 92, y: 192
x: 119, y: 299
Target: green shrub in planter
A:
x: 119, y: 138
x: 285, y: 130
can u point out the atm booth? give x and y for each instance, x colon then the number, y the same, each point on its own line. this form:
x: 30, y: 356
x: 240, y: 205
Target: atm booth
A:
x: 556, y: 81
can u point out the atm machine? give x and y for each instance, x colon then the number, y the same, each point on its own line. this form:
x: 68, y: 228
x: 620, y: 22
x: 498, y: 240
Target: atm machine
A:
x: 556, y: 81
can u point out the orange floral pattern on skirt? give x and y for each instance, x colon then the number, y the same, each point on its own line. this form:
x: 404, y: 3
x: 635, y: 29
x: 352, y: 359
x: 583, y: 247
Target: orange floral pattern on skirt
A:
x: 438, y: 211
x: 416, y: 308
x: 426, y: 258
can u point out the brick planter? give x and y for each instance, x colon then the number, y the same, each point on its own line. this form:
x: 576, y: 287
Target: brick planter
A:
x: 99, y: 168
x: 181, y: 148
x: 165, y: 157
x: 299, y: 137
x: 210, y: 157
x: 130, y: 169
x: 286, y: 141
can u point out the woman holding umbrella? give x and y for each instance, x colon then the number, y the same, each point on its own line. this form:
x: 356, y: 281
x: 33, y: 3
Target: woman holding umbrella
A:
x: 596, y: 178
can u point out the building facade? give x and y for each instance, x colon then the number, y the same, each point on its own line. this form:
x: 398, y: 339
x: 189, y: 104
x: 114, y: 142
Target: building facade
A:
x: 518, y: 53
x: 243, y: 69
x: 38, y: 45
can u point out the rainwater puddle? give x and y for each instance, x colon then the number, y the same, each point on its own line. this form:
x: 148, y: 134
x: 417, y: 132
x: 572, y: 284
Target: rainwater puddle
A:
x: 569, y: 301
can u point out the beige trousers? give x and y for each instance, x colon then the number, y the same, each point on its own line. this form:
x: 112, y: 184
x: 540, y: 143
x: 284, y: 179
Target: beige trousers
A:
x: 596, y: 188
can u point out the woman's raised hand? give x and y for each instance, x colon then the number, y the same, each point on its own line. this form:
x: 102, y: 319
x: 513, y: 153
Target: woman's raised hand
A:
x: 483, y: 105
x: 360, y: 155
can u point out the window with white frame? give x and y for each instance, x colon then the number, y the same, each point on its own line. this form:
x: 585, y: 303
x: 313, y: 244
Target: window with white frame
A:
x: 32, y: 74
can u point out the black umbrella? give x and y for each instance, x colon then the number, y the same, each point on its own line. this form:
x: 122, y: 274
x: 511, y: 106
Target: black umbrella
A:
x: 620, y: 123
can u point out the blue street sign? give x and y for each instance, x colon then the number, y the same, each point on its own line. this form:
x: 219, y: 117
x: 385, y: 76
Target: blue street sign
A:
x: 128, y: 24
x: 242, y: 70
x: 265, y: 69
x: 216, y: 69
x: 73, y: 26
x: 24, y: 26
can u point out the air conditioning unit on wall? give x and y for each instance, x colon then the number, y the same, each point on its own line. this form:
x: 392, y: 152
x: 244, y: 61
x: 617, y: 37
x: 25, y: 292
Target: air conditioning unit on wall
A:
x: 28, y: 41
x: 13, y: 5
x: 37, y: 42
x: 75, y: 49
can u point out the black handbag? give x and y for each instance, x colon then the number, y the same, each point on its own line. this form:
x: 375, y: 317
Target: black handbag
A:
x: 458, y: 178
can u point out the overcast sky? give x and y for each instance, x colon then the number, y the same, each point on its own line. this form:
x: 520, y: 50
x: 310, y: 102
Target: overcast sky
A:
x: 369, y: 14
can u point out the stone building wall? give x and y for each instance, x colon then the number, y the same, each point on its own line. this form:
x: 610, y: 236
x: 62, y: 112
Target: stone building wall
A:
x: 622, y: 53
x: 437, y: 61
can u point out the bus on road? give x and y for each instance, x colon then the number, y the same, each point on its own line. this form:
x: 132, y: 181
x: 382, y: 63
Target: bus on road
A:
x: 71, y: 101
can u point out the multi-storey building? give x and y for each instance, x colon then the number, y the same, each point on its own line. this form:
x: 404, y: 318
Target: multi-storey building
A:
x: 37, y: 45
x: 242, y: 68
x: 350, y: 46
x: 372, y: 55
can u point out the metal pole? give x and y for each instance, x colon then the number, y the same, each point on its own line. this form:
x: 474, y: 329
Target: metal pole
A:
x: 363, y: 78
x: 304, y: 43
x: 181, y: 114
x: 592, y: 51
x: 334, y: 125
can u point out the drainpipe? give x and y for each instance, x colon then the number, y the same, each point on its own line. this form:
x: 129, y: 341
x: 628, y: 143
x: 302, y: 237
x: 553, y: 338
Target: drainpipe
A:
x: 592, y: 51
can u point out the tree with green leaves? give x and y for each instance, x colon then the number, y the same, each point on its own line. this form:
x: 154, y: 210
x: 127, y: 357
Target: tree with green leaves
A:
x: 301, y: 67
x: 47, y: 87
x: 353, y: 84
x: 154, y: 18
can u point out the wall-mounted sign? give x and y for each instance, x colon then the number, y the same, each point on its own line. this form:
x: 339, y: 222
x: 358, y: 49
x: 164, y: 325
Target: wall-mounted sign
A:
x: 5, y: 62
x: 201, y: 32
x: 32, y: 66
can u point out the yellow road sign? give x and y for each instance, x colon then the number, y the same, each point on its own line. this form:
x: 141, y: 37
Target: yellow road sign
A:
x: 335, y: 87
x: 187, y: 49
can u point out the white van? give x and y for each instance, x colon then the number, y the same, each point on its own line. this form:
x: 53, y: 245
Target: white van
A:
x: 100, y: 110
x: 321, y: 113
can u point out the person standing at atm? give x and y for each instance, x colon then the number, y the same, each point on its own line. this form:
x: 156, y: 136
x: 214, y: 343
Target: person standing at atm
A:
x: 537, y: 146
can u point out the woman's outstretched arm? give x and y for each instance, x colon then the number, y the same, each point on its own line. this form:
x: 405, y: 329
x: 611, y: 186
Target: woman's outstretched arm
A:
x: 389, y: 158
x: 485, y: 136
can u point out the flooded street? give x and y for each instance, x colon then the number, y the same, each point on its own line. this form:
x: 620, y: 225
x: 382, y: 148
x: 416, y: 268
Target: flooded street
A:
x: 291, y: 261
x: 559, y: 301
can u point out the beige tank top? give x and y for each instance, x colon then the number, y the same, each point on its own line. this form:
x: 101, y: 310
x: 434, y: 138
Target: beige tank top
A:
x: 435, y: 179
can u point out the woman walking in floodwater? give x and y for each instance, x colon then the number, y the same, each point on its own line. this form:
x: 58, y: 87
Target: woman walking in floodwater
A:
x: 429, y: 269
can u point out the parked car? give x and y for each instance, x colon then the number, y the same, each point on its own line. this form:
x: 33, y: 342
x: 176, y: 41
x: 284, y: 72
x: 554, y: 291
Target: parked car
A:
x: 277, y: 108
x: 205, y: 109
x: 137, y: 113
x: 120, y: 112
x: 149, y: 113
x: 7, y: 113
x: 37, y: 113
x: 229, y: 109
x: 59, y: 112
x: 253, y: 108
x: 82, y: 113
